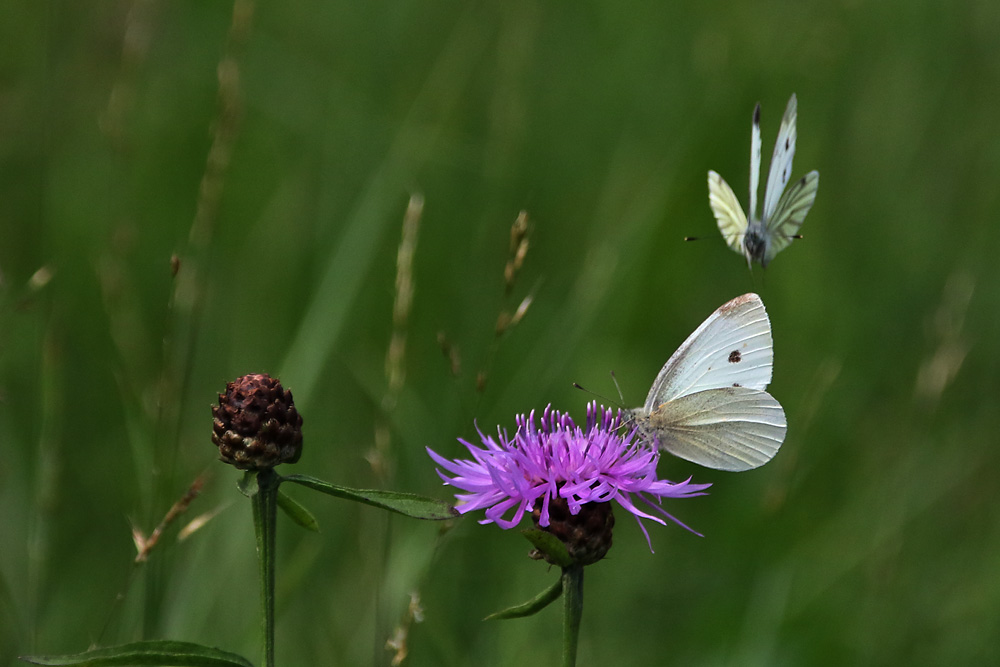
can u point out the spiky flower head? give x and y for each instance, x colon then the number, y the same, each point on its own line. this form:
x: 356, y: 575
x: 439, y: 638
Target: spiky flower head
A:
x: 256, y: 425
x: 553, y: 468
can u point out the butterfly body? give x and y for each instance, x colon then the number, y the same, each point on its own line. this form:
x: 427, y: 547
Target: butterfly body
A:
x: 708, y: 404
x: 760, y: 239
x: 755, y: 242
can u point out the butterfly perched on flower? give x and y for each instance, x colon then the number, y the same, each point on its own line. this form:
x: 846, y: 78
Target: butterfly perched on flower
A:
x: 708, y: 404
x: 760, y: 239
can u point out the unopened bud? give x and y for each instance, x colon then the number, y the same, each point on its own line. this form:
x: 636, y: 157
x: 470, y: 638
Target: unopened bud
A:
x: 256, y: 424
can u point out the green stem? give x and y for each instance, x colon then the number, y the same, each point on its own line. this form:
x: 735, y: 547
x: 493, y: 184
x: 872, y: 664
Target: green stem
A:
x: 572, y: 585
x: 264, y: 521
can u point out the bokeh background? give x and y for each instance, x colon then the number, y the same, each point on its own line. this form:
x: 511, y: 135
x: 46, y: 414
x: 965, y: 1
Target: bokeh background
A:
x: 271, y: 149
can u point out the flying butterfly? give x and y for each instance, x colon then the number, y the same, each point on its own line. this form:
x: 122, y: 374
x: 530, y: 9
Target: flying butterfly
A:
x: 760, y: 239
x: 708, y: 403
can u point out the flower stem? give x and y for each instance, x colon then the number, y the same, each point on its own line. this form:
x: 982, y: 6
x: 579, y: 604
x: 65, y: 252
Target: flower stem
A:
x: 572, y: 578
x: 264, y: 521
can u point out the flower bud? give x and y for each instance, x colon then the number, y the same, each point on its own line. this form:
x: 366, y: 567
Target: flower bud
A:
x: 256, y: 425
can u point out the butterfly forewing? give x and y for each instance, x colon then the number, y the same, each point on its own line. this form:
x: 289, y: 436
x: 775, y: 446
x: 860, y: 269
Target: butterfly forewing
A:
x: 754, y: 161
x: 734, y: 428
x: 732, y: 348
x: 728, y: 212
x: 781, y: 162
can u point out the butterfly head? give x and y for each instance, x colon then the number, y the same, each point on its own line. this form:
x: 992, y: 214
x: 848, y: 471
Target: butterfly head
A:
x: 638, y: 419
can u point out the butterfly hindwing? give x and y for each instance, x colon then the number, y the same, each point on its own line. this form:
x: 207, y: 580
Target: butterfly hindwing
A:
x: 728, y: 212
x: 790, y: 213
x: 733, y: 428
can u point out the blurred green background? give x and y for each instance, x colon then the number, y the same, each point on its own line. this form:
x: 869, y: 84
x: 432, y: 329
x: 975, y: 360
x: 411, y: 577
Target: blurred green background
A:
x: 274, y: 155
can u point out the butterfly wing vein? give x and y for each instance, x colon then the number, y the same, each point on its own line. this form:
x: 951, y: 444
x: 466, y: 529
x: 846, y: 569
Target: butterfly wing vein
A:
x: 791, y: 213
x: 727, y: 210
x: 734, y: 429
x: 706, y: 360
x: 781, y: 161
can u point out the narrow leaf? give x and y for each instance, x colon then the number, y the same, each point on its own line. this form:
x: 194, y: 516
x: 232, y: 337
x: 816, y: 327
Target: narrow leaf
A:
x: 532, y: 606
x: 297, y: 512
x: 550, y: 545
x: 159, y: 652
x: 408, y: 504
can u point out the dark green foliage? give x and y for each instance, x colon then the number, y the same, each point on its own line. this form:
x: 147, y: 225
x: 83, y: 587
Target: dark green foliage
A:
x: 870, y: 539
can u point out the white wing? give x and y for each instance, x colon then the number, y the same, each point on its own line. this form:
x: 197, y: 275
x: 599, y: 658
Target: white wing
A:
x: 754, y: 160
x: 790, y: 213
x: 733, y: 429
x: 781, y: 161
x: 732, y: 348
x: 728, y: 212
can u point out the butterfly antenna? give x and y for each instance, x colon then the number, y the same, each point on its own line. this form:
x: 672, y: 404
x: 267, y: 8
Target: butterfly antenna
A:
x: 628, y: 420
x: 601, y: 396
x: 622, y: 410
x: 692, y: 238
x: 620, y: 395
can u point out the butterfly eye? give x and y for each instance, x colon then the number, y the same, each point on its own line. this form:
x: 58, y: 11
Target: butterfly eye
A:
x: 735, y: 357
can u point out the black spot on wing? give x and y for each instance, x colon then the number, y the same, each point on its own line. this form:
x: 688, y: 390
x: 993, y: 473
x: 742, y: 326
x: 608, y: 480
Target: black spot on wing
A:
x: 786, y: 143
x: 735, y: 357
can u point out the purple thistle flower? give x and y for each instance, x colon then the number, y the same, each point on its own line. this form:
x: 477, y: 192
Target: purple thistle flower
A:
x: 559, y: 461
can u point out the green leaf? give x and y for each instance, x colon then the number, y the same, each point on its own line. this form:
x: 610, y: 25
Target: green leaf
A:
x: 408, y: 504
x: 297, y: 512
x: 159, y: 652
x: 248, y: 484
x: 532, y: 606
x: 550, y: 545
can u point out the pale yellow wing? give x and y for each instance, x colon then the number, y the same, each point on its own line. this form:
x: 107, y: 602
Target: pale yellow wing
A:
x: 728, y: 212
x: 734, y: 429
x: 790, y: 212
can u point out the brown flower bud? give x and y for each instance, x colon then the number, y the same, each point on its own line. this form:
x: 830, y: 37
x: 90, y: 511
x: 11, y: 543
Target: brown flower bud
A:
x: 586, y: 534
x: 256, y: 424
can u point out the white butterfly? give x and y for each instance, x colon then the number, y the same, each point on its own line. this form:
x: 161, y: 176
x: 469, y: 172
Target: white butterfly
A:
x: 708, y: 404
x: 762, y: 238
